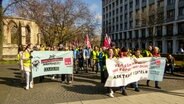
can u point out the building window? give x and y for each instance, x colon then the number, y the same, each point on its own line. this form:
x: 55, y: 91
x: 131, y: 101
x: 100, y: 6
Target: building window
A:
x: 121, y: 9
x: 159, y: 30
x: 121, y: 26
x: 106, y: 9
x: 110, y: 7
x: 137, y: 2
x: 125, y: 7
x: 125, y: 34
x: 136, y: 34
x: 117, y: 19
x: 150, y: 31
x: 117, y: 11
x: 130, y: 34
x: 143, y: 1
x: 143, y: 33
x: 117, y: 27
x: 181, y: 11
x: 170, y: 30
x: 137, y: 22
x: 181, y: 28
x: 126, y: 26
x: 170, y: 14
x: 113, y: 12
x: 126, y: 16
x: 121, y: 17
x: 170, y: 2
x: 131, y: 4
x: 113, y: 5
x: 169, y: 46
x: 131, y: 24
x: 117, y: 2
x: 121, y: 1
x: 131, y: 15
x: 103, y: 10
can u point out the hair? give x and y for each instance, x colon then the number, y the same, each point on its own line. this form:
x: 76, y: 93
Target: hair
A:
x: 124, y: 49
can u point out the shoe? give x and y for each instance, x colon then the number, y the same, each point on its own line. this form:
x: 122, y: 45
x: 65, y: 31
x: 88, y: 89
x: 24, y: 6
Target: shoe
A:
x: 27, y: 87
x: 111, y: 95
x: 31, y: 85
x: 157, y: 87
x: 137, y: 90
x: 53, y: 77
x: 69, y: 82
x: 124, y: 93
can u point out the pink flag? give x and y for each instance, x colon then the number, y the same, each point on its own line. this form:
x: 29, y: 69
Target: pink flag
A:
x: 87, y: 42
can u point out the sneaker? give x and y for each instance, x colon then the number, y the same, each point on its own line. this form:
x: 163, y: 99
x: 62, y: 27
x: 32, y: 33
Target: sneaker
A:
x: 124, y: 93
x: 137, y: 90
x: 27, y: 87
x: 111, y: 95
x: 53, y: 77
x: 157, y: 87
x: 69, y: 82
x: 31, y: 85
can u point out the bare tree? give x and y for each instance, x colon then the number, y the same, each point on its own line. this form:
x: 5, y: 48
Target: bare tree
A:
x: 59, y: 20
x: 152, y: 18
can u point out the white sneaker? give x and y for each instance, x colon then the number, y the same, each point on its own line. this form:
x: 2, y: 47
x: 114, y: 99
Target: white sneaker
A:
x: 53, y: 77
x: 31, y: 85
x: 111, y: 95
x: 27, y: 88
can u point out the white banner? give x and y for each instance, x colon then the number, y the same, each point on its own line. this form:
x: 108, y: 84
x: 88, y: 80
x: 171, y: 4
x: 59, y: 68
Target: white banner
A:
x: 51, y: 62
x: 123, y: 71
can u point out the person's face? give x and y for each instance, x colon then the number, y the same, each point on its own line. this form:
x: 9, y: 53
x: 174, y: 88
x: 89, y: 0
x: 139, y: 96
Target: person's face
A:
x: 96, y: 48
x: 150, y: 48
x: 156, y: 50
x: 111, y: 52
x: 137, y: 53
x: 123, y: 54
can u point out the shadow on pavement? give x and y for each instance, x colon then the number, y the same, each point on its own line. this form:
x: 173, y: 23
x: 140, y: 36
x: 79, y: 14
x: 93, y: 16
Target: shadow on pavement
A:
x: 14, y: 82
x: 152, y: 89
x: 85, y: 89
x: 86, y: 80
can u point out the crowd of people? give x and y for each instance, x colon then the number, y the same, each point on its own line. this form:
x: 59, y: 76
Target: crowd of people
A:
x: 89, y: 59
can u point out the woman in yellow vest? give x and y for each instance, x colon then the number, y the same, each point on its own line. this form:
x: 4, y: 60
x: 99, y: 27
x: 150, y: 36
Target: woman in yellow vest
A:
x: 27, y: 66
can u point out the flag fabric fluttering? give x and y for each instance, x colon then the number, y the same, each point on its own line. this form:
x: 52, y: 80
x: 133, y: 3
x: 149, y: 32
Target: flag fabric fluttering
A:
x: 87, y: 42
x: 107, y: 41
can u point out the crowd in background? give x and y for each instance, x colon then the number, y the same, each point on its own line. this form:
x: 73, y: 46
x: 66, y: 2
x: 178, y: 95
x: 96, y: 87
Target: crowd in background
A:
x: 90, y: 59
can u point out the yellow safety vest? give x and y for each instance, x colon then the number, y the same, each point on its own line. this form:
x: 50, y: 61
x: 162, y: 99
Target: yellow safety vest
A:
x: 27, y: 60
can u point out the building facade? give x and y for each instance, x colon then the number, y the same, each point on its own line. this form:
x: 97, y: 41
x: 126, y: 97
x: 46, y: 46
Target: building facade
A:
x: 18, y: 31
x: 140, y: 23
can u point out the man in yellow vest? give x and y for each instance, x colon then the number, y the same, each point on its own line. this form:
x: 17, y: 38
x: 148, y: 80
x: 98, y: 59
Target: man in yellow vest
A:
x: 95, y: 54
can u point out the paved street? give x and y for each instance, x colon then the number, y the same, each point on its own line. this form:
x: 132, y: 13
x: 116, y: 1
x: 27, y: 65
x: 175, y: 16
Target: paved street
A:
x: 86, y: 89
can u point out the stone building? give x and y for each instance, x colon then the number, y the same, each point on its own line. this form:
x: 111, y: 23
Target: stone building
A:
x: 18, y: 31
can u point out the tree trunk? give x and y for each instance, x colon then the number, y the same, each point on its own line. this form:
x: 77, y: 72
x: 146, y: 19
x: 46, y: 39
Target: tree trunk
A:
x: 1, y: 29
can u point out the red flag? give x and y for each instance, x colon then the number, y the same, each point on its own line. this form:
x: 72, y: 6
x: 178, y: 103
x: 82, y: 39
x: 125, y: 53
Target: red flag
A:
x: 107, y: 41
x: 87, y: 42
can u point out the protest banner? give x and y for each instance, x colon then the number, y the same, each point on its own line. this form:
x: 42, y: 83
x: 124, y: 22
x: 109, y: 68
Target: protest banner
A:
x: 123, y: 71
x: 51, y: 62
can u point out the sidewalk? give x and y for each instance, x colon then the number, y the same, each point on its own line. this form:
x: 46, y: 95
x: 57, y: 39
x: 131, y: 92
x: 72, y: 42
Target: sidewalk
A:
x: 173, y: 97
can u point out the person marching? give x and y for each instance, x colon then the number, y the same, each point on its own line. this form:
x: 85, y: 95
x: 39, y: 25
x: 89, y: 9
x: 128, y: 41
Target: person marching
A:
x: 110, y: 56
x: 19, y: 57
x: 155, y: 54
x: 95, y: 54
x: 137, y: 55
x: 27, y: 66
